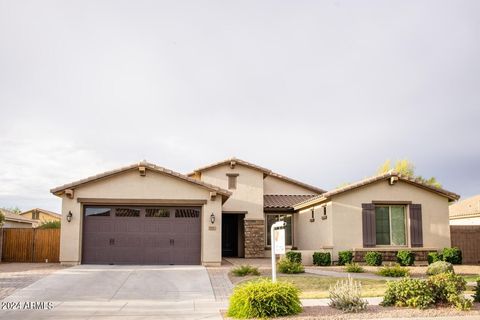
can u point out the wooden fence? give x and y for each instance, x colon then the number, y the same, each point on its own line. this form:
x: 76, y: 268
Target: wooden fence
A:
x: 467, y: 238
x: 30, y: 245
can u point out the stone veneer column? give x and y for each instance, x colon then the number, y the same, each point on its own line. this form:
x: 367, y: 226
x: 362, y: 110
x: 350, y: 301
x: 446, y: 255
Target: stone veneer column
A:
x: 254, y: 238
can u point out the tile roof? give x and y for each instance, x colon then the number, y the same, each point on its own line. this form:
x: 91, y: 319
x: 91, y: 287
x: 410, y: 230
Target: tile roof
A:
x: 262, y: 169
x: 284, y: 201
x: 11, y: 216
x: 147, y: 165
x: 466, y: 208
x: 450, y: 195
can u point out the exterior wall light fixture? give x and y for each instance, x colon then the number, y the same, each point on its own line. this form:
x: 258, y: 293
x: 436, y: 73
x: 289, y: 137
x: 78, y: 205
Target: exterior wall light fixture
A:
x: 212, y: 218
x: 69, y: 216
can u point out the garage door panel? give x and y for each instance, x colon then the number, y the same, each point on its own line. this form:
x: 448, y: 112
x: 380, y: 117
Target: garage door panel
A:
x: 141, y: 235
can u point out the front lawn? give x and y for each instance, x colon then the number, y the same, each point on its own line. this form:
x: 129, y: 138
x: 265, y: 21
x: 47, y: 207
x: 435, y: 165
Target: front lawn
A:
x: 316, y: 287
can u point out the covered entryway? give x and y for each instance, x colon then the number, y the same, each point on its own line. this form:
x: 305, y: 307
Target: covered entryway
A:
x: 233, y: 230
x: 141, y: 235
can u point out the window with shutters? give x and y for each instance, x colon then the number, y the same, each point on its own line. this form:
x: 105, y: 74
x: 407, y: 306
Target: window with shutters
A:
x: 390, y: 224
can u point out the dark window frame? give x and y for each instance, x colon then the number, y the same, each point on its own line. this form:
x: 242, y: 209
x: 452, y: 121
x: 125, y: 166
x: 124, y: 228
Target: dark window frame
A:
x: 406, y: 222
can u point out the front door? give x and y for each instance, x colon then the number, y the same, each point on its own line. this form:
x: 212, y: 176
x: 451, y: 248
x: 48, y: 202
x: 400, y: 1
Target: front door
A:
x: 229, y: 235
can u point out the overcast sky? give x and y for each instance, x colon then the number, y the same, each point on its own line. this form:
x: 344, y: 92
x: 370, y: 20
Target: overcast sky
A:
x: 321, y: 91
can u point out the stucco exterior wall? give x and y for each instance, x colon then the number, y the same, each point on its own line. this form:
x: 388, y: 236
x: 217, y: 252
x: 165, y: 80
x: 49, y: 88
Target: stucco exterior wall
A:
x: 314, y: 235
x: 42, y: 217
x: 474, y: 221
x: 273, y: 185
x: 347, y: 214
x: 130, y: 185
x: 248, y: 196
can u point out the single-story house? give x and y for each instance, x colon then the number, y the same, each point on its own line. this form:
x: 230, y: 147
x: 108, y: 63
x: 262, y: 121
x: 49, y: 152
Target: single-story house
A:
x: 40, y: 216
x: 465, y: 212
x: 13, y: 220
x: 146, y: 214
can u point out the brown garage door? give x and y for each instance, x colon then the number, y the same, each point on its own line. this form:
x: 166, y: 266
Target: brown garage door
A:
x: 141, y: 235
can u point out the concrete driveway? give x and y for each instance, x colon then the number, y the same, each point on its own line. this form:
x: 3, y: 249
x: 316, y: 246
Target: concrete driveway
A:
x: 113, y: 292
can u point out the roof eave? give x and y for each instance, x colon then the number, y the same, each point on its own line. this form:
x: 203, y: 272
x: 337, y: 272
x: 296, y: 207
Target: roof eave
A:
x: 58, y: 191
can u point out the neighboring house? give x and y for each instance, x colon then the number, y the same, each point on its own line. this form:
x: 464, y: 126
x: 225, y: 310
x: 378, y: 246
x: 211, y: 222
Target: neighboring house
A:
x: 465, y: 212
x: 40, y: 216
x: 146, y: 214
x: 13, y: 220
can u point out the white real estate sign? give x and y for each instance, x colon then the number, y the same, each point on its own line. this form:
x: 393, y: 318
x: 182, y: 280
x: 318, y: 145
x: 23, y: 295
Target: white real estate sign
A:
x: 279, y: 241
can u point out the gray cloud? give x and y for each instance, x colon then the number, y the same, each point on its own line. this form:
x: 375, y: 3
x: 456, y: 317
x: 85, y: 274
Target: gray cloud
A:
x: 320, y: 91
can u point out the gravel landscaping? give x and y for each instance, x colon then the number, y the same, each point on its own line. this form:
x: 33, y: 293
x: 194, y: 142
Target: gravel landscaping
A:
x: 375, y: 312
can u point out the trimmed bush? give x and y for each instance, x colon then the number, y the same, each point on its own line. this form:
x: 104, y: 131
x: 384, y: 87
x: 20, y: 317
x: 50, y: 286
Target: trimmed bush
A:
x: 476, y: 295
x: 287, y: 266
x: 373, y: 258
x: 445, y: 288
x: 245, y: 270
x: 407, y: 292
x: 434, y: 257
x: 439, y: 267
x: 405, y: 258
x: 346, y: 296
x: 353, y: 267
x: 345, y: 257
x: 322, y: 259
x: 452, y: 255
x: 264, y: 299
x: 294, y: 256
x: 393, y: 270
x: 448, y: 288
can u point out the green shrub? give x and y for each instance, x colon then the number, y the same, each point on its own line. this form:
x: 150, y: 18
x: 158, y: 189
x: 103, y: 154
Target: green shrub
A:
x: 50, y: 225
x: 322, y: 259
x: 447, y: 284
x: 245, y: 270
x: 264, y: 299
x: 294, y: 256
x: 448, y: 288
x: 407, y: 292
x: 345, y: 257
x: 434, y: 257
x: 346, y: 296
x: 445, y: 288
x: 439, y: 267
x: 476, y: 295
x: 405, y: 257
x: 353, y: 267
x: 393, y: 270
x: 452, y: 255
x: 373, y: 258
x: 287, y: 266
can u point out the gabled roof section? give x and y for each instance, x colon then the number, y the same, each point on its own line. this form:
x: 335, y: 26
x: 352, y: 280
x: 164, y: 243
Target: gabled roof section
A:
x: 325, y: 196
x: 467, y: 208
x: 10, y: 216
x: 265, y: 171
x: 283, y: 202
x: 50, y: 213
x: 146, y: 165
